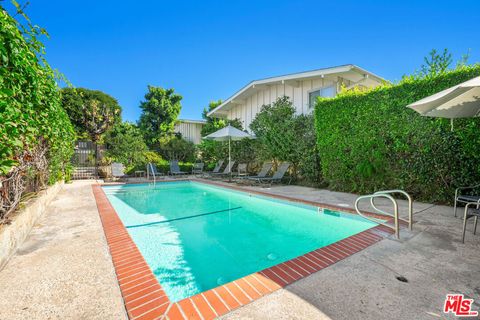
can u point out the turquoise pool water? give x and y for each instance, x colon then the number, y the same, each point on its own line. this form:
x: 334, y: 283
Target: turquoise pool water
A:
x: 196, y: 236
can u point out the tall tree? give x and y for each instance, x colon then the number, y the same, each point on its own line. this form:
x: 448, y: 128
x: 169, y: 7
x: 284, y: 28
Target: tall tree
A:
x: 213, y: 124
x: 286, y: 136
x: 160, y: 111
x: 92, y: 112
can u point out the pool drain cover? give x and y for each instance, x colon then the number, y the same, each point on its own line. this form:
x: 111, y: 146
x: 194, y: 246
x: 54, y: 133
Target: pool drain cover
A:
x: 272, y: 256
x: 402, y: 279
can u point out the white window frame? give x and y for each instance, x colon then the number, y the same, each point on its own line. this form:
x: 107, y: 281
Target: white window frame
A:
x: 333, y: 85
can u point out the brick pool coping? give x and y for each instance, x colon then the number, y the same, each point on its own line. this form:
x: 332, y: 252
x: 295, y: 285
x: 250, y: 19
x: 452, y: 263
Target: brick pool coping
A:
x: 145, y: 298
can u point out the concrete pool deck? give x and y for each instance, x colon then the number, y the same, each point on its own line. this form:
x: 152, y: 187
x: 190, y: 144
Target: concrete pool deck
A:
x: 64, y: 271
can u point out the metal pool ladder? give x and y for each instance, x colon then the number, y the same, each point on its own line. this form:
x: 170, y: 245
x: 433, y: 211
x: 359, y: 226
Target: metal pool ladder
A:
x: 387, y: 194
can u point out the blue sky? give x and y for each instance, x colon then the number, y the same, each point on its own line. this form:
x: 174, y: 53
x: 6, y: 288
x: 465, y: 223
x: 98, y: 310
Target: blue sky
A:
x: 207, y: 50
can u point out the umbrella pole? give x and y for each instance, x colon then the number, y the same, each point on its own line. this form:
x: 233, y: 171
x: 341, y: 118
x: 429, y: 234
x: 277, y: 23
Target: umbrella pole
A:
x: 229, y: 158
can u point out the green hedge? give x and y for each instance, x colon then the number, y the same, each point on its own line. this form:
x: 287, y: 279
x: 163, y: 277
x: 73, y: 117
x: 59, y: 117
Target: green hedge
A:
x: 30, y: 109
x: 370, y: 141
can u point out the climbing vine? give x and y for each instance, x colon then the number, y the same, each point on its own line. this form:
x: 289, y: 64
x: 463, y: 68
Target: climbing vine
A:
x: 36, y: 136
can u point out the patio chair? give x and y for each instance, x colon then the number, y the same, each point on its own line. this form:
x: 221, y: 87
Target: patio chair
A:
x: 277, y: 176
x: 266, y: 167
x: 153, y: 171
x: 175, y: 169
x: 118, y: 170
x: 227, y: 171
x: 217, y: 168
x: 459, y: 198
x: 241, y: 170
x: 470, y: 213
x: 198, y: 168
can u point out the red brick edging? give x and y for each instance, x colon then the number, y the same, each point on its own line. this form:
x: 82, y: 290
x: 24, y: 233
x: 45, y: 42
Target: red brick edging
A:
x: 145, y: 299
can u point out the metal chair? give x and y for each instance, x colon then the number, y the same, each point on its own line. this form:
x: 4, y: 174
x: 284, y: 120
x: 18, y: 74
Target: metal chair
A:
x: 118, y: 170
x: 175, y: 169
x: 241, y: 170
x: 459, y: 198
x: 198, y: 168
x: 472, y: 213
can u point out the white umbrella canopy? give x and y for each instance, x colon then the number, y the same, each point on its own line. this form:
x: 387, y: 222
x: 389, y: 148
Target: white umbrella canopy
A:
x: 460, y: 101
x: 229, y: 134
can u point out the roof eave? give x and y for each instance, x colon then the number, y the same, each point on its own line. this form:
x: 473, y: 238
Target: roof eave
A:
x: 299, y: 75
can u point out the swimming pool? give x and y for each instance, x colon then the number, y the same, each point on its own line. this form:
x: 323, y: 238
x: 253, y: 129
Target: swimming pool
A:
x: 196, y: 236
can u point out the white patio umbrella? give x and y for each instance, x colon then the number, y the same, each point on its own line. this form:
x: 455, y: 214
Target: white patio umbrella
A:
x: 229, y: 134
x: 460, y: 101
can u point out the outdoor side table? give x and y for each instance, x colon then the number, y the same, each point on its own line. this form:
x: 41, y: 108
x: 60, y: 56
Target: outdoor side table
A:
x: 140, y: 173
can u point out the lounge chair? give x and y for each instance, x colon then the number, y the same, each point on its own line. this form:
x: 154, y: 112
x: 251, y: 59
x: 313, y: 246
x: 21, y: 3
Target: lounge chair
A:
x: 198, y: 168
x: 459, y: 198
x: 152, y: 170
x: 266, y: 167
x: 175, y: 169
x: 217, y: 168
x: 227, y: 171
x: 118, y: 170
x: 277, y: 176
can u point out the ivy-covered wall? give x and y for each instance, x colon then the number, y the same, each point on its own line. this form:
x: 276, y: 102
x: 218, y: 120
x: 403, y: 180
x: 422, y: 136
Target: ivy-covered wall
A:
x: 36, y: 136
x: 370, y: 141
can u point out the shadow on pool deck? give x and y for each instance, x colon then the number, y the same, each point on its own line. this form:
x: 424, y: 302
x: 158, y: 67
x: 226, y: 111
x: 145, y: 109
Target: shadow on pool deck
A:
x: 365, y: 286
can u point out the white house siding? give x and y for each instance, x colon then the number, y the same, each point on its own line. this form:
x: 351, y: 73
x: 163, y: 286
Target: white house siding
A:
x: 190, y: 131
x: 298, y: 94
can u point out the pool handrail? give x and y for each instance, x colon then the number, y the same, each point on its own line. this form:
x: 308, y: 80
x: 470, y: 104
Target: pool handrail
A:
x: 153, y: 173
x: 396, y: 226
x: 410, y: 204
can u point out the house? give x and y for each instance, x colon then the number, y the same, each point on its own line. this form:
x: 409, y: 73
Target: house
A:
x: 303, y: 88
x: 190, y: 130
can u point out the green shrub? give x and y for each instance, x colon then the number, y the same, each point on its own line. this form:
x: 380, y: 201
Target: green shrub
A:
x: 284, y: 136
x: 176, y: 148
x: 369, y: 141
x: 125, y: 144
x: 36, y: 136
x: 30, y: 108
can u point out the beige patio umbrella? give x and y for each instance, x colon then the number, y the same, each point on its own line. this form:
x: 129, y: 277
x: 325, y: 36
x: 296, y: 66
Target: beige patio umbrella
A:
x: 229, y: 134
x: 460, y: 101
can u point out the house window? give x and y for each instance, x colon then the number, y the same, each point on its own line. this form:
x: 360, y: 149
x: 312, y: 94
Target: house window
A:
x: 325, y: 92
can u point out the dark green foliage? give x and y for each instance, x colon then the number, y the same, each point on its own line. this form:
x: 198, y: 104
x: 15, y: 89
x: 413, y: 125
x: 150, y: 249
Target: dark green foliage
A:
x: 369, y: 141
x: 212, y: 151
x: 124, y: 143
x: 177, y: 148
x: 92, y: 112
x: 285, y: 136
x: 30, y: 108
x: 160, y: 111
